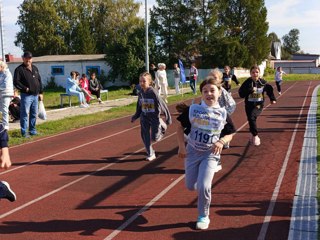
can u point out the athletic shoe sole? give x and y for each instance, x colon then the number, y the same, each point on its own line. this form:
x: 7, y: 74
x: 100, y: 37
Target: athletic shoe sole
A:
x: 7, y: 191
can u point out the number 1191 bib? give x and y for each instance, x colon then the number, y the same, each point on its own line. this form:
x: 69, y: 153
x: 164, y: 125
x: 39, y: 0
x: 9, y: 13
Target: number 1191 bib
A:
x: 206, y: 126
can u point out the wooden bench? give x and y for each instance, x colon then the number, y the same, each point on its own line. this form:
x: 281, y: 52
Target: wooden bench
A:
x: 62, y: 95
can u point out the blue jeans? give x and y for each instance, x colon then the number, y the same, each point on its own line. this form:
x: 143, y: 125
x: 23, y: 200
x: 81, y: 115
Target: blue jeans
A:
x: 193, y: 86
x: 28, y: 107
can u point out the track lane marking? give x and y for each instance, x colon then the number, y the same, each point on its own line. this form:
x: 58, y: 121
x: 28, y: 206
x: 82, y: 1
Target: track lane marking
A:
x: 153, y: 201
x: 267, y: 218
x: 68, y: 150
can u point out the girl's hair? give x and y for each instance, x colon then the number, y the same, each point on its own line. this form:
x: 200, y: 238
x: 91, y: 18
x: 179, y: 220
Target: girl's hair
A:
x: 255, y: 67
x: 181, y: 107
x: 226, y: 66
x: 4, y: 65
x: 210, y: 80
x: 217, y: 72
x: 73, y: 73
x: 146, y: 75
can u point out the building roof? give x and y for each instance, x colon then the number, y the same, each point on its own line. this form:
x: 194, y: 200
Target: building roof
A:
x: 66, y: 58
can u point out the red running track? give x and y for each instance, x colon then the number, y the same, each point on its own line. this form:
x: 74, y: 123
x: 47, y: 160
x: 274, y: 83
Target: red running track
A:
x: 93, y: 183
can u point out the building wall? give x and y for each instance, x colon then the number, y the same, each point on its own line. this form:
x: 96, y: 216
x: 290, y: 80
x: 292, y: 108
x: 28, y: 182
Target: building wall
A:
x: 45, y: 69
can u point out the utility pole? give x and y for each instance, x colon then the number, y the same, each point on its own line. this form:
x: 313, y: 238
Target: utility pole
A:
x: 147, y: 38
x: 1, y: 33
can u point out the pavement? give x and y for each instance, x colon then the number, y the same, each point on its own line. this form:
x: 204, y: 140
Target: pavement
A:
x: 65, y: 112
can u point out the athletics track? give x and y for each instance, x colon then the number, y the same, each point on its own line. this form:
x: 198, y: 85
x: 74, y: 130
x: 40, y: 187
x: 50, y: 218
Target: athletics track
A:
x: 93, y: 183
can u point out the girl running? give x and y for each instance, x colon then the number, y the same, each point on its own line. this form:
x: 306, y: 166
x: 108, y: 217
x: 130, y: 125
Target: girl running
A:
x: 278, y: 78
x: 203, y: 123
x: 149, y: 107
x: 253, y: 90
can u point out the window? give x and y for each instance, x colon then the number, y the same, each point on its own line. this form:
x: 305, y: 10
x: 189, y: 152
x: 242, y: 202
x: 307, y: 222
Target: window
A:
x: 91, y: 69
x: 57, y: 70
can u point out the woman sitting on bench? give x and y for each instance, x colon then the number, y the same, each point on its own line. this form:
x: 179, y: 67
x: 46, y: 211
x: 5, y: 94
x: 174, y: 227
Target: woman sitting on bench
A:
x: 72, y: 88
x: 95, y: 86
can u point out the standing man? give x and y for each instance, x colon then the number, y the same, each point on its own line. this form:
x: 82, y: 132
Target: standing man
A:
x: 176, y: 74
x: 28, y: 81
x: 193, y: 75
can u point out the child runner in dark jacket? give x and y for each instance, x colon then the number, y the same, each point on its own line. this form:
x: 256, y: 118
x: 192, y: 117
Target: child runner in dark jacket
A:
x: 149, y: 107
x: 253, y: 90
x: 5, y: 162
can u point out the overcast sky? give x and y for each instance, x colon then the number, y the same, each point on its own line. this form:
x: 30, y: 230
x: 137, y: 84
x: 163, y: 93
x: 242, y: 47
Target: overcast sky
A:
x: 283, y: 16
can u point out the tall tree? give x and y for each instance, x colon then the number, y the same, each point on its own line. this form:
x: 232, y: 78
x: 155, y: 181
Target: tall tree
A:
x: 40, y: 27
x: 245, y: 26
x: 291, y: 41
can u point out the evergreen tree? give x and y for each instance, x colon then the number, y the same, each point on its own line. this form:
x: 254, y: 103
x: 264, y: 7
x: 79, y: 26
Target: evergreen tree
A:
x: 291, y: 41
x: 245, y: 25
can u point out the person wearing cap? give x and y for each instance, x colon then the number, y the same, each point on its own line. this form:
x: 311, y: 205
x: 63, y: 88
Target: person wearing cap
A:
x: 28, y: 81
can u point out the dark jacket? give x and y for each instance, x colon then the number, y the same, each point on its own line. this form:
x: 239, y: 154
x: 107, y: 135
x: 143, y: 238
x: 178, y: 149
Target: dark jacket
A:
x: 24, y: 78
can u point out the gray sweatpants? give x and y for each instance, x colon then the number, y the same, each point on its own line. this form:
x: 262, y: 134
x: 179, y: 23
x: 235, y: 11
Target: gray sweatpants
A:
x: 152, y: 129
x: 200, y: 168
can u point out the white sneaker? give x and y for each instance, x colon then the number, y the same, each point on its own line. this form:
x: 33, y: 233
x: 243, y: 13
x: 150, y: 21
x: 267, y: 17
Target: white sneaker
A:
x: 203, y: 223
x: 256, y: 140
x: 279, y: 93
x: 152, y: 157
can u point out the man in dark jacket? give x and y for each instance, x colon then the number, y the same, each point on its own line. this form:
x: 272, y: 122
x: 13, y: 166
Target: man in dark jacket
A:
x: 28, y: 81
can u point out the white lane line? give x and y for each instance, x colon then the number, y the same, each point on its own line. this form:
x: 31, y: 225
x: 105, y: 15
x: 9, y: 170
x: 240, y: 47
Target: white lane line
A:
x: 142, y: 210
x: 267, y: 218
x: 68, y: 150
x: 100, y: 169
x: 135, y: 216
x: 72, y: 183
x: 67, y: 132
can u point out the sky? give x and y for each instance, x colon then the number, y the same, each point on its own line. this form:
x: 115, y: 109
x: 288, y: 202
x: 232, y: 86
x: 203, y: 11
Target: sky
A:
x: 282, y: 17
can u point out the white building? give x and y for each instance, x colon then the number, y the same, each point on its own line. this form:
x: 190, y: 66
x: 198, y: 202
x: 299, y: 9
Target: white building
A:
x: 60, y: 66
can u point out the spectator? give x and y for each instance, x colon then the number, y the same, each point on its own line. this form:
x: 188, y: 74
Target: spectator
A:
x: 95, y: 86
x: 176, y: 75
x: 14, y: 107
x: 28, y: 81
x: 193, y: 75
x: 6, y: 92
x: 84, y: 85
x: 162, y: 81
x: 72, y: 88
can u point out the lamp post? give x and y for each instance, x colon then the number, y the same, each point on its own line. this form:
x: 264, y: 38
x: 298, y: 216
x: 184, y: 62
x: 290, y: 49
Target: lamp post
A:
x: 147, y: 40
x: 1, y: 34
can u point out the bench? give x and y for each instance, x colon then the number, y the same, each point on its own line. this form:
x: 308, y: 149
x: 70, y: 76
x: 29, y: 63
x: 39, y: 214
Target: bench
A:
x: 62, y: 95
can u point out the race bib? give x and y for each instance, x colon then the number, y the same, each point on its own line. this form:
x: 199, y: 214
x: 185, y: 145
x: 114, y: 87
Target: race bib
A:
x: 257, y: 95
x: 147, y: 105
x: 206, y: 126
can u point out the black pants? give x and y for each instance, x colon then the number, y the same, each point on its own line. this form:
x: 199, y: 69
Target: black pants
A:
x: 253, y: 111
x: 97, y: 93
x: 278, y: 86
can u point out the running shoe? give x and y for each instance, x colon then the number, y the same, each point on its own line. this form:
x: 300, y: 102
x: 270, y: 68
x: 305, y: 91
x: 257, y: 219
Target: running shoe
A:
x: 256, y: 140
x: 151, y: 157
x: 6, y: 192
x: 203, y: 223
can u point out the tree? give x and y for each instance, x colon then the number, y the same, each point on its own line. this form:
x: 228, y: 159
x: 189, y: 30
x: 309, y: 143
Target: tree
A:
x: 245, y: 22
x: 40, y: 26
x: 291, y: 41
